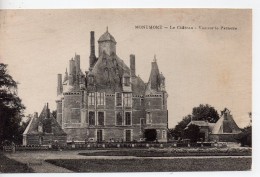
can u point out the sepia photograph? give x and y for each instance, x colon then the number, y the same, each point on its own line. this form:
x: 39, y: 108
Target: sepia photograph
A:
x: 125, y: 90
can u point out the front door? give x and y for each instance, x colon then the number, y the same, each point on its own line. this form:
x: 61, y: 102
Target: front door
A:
x: 99, y: 135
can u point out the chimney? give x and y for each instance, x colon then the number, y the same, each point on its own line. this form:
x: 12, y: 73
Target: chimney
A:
x: 59, y: 85
x: 77, y: 63
x: 132, y: 65
x: 71, y: 72
x: 35, y: 115
x: 92, y: 57
x: 77, y: 67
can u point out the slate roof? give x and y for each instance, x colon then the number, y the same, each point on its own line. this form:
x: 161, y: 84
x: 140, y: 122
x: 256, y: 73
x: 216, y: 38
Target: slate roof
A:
x: 106, y: 37
x: 155, y: 80
x: 108, y: 75
x: 199, y: 123
x: 226, y: 124
x: 49, y: 123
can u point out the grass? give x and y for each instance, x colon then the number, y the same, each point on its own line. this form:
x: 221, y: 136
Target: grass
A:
x: 154, y: 165
x: 165, y: 153
x: 11, y: 166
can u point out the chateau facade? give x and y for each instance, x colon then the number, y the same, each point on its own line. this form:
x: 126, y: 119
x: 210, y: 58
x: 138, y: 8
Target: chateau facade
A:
x: 109, y: 102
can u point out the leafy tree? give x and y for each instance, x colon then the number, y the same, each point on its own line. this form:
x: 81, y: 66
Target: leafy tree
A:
x: 11, y: 107
x: 192, y: 133
x: 245, y: 137
x: 205, y: 112
x: 177, y: 132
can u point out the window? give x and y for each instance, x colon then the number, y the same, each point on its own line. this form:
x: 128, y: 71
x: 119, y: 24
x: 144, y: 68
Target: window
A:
x: 91, y: 99
x: 119, y: 118
x: 100, y: 118
x: 127, y: 81
x: 148, y: 118
x: 91, y: 79
x: 118, y: 99
x: 128, y: 135
x: 127, y: 99
x: 163, y: 134
x: 99, y: 135
x: 142, y: 122
x: 141, y: 102
x: 91, y: 118
x: 100, y: 98
x: 127, y: 118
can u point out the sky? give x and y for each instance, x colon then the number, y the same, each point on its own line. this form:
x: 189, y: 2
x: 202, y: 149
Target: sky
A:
x: 200, y: 66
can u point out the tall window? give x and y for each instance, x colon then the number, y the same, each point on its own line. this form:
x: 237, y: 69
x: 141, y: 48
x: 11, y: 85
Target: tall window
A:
x: 118, y: 99
x: 119, y: 118
x: 100, y: 98
x: 141, y: 102
x: 163, y: 134
x: 127, y: 118
x: 128, y: 135
x: 127, y: 99
x: 148, y: 118
x: 91, y: 118
x: 127, y: 81
x: 91, y: 99
x: 100, y: 118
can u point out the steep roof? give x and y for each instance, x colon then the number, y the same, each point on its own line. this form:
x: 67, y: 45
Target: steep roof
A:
x: 155, y: 79
x: 226, y: 124
x: 48, y: 122
x: 106, y: 37
x: 108, y: 74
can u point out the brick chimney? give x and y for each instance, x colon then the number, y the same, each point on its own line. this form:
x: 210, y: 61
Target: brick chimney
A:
x: 132, y: 65
x: 92, y: 57
x: 59, y: 85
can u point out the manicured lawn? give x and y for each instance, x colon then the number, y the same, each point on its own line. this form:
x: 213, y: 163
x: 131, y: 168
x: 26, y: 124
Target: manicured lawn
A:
x: 172, y: 153
x: 11, y: 166
x: 154, y: 165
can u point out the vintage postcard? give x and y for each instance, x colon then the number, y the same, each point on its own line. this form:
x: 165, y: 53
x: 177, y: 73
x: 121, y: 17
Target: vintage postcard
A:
x: 125, y: 90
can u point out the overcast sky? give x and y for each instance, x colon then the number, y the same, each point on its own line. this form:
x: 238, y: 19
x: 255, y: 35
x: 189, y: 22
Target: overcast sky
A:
x: 200, y: 66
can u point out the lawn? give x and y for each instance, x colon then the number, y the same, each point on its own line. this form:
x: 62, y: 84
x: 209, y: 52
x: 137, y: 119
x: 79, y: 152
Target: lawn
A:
x: 11, y: 166
x: 154, y: 165
x: 173, y: 152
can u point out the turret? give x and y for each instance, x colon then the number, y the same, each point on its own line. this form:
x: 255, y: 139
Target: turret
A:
x: 155, y: 75
x: 107, y: 44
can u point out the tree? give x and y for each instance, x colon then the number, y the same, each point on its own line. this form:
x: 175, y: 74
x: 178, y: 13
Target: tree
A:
x: 192, y: 133
x: 205, y: 112
x: 245, y: 137
x: 202, y: 112
x: 11, y: 107
x: 177, y: 132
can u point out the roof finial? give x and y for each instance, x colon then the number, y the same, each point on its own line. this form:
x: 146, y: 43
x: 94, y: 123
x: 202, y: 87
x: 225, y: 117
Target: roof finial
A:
x: 154, y: 59
x: 66, y: 70
x: 107, y: 29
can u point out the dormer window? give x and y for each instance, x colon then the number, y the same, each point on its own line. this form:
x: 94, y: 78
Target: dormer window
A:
x: 40, y: 129
x: 91, y: 80
x: 127, y: 81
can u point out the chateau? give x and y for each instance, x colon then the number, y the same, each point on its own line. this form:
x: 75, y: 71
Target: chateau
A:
x: 109, y: 102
